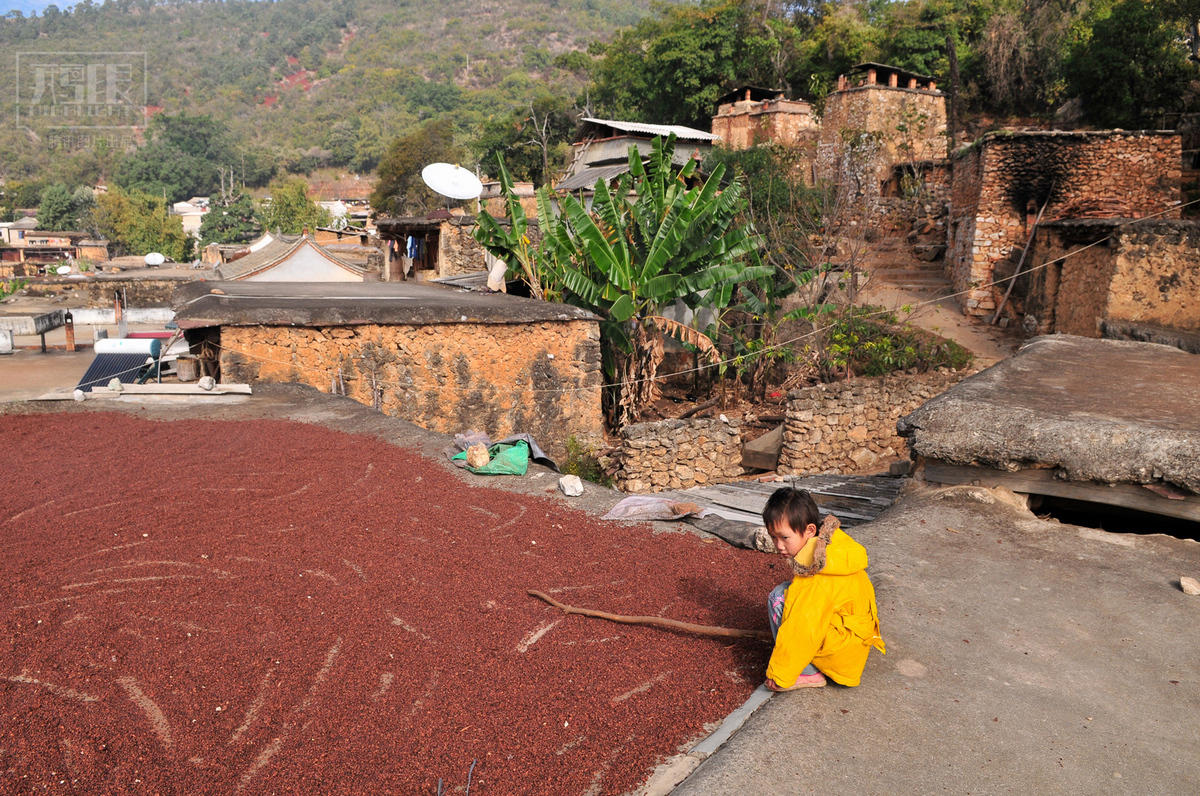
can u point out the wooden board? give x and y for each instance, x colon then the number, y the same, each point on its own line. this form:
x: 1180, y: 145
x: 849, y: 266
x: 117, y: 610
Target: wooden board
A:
x: 1043, y: 482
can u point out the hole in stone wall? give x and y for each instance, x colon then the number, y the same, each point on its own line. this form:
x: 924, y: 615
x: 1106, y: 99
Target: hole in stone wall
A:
x: 1111, y: 518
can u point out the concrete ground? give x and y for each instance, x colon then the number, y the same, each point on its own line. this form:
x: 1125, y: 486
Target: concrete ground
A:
x: 1023, y: 655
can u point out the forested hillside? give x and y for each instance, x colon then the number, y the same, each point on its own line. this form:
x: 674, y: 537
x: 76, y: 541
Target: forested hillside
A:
x: 310, y: 83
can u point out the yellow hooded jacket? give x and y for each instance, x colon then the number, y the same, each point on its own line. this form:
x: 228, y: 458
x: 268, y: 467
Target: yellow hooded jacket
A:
x: 829, y: 616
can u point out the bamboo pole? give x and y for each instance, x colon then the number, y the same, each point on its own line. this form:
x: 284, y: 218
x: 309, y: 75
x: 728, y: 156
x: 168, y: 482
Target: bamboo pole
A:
x: 657, y: 621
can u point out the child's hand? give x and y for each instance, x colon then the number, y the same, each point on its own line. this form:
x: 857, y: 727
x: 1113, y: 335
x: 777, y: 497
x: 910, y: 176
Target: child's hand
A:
x: 770, y: 684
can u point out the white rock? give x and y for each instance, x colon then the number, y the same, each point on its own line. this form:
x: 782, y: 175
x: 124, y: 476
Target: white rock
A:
x: 1190, y: 585
x: 206, y: 383
x: 115, y: 385
x: 79, y: 395
x: 570, y: 485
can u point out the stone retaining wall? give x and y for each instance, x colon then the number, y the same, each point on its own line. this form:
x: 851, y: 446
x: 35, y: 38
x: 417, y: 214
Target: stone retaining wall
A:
x: 541, y: 378
x: 677, y: 454
x: 851, y: 425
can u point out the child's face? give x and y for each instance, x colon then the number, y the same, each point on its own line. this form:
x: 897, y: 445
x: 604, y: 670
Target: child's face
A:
x: 787, y: 541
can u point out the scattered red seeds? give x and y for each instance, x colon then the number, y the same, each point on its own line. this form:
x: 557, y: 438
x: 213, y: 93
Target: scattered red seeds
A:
x: 205, y: 606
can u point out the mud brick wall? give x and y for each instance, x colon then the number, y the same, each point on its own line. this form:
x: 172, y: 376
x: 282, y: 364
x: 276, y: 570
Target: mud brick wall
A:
x: 1077, y: 174
x: 878, y: 109
x: 677, y: 454
x: 851, y: 425
x: 540, y: 378
x: 1146, y: 273
x: 97, y: 291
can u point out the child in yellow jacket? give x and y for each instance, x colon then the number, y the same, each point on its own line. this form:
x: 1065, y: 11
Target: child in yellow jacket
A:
x: 824, y: 620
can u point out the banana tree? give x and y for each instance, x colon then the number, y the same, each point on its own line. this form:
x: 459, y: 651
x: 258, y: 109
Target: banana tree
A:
x: 651, y: 241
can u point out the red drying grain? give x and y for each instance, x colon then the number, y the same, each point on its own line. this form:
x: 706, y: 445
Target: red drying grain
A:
x: 207, y: 607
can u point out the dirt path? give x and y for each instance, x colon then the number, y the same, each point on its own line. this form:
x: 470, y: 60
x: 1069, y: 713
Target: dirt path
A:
x: 265, y: 606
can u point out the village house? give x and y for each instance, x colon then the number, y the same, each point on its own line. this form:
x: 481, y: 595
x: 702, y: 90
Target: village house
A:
x: 749, y: 116
x: 437, y: 245
x: 288, y: 258
x: 602, y: 151
x: 448, y: 360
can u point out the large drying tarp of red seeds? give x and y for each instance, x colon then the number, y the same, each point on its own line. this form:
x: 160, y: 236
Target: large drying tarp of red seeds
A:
x: 261, y: 606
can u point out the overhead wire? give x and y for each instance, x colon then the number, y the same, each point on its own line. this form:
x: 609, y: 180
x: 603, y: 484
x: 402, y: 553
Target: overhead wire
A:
x: 338, y: 373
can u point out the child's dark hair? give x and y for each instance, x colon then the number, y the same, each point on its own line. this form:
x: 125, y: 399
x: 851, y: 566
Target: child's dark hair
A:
x: 794, y: 506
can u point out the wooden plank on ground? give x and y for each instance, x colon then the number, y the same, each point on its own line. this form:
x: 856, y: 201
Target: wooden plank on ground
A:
x: 1043, y: 482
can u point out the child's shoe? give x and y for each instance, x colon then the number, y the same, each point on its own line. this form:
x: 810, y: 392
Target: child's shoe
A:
x: 807, y: 681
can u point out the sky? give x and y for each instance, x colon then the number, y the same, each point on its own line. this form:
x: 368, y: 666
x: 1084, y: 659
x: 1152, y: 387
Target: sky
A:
x: 26, y: 7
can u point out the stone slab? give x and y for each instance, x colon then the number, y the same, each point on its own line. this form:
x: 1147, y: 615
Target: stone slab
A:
x: 1107, y: 411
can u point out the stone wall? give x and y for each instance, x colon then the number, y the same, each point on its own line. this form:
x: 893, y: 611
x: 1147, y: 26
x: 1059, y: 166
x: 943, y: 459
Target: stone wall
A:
x: 97, y: 291
x: 746, y: 123
x: 861, y: 138
x: 677, y: 454
x: 540, y: 378
x: 851, y: 425
x: 459, y: 252
x: 1145, y: 274
x: 1000, y: 182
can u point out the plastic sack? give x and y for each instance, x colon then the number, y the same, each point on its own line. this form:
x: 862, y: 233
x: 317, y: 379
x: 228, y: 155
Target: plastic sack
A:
x: 647, y: 507
x: 506, y: 459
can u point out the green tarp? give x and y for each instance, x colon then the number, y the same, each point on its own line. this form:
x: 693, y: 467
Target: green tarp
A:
x: 506, y: 459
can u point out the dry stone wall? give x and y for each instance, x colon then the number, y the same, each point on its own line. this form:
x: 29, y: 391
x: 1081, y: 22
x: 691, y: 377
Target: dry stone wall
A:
x: 540, y: 378
x: 1001, y: 181
x: 677, y: 454
x: 851, y: 426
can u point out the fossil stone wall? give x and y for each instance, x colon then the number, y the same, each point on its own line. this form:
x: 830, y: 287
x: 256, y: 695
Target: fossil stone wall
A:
x: 1000, y: 182
x: 677, y: 454
x: 851, y: 426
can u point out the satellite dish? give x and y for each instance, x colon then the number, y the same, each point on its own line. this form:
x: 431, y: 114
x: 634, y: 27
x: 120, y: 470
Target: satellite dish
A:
x: 154, y: 258
x: 63, y: 270
x: 453, y: 181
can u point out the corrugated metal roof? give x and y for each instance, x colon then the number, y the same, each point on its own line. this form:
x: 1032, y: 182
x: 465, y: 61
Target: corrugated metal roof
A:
x: 681, y: 132
x: 586, y: 178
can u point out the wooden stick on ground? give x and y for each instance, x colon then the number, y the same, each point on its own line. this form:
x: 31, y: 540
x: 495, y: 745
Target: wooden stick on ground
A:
x: 657, y: 621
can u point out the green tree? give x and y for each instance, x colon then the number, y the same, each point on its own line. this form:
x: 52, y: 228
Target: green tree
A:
x: 57, y: 211
x: 234, y: 222
x: 400, y: 190
x: 290, y: 211
x: 1132, y: 68
x: 534, y: 140
x: 627, y: 259
x: 672, y: 68
x: 140, y: 223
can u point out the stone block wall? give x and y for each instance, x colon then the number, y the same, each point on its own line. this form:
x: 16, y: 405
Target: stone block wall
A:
x: 860, y: 140
x: 459, y: 252
x: 1001, y: 181
x: 541, y: 378
x: 677, y: 454
x: 851, y: 425
x: 1145, y: 274
x: 745, y: 124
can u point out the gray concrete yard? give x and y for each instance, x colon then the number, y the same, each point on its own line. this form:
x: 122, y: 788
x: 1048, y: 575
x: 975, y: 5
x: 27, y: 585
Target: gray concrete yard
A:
x: 1024, y: 656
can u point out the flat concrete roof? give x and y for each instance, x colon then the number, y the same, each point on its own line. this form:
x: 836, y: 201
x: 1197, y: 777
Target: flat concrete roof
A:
x: 1111, y: 411
x: 248, y: 303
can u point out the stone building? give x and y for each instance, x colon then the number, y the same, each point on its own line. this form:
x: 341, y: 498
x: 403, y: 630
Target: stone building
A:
x: 602, y: 151
x: 446, y: 360
x: 1123, y: 280
x: 434, y: 246
x: 1001, y: 182
x: 878, y: 117
x: 292, y: 258
x: 749, y: 116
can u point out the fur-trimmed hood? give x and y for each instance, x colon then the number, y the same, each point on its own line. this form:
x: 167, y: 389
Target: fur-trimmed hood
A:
x: 834, y: 553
